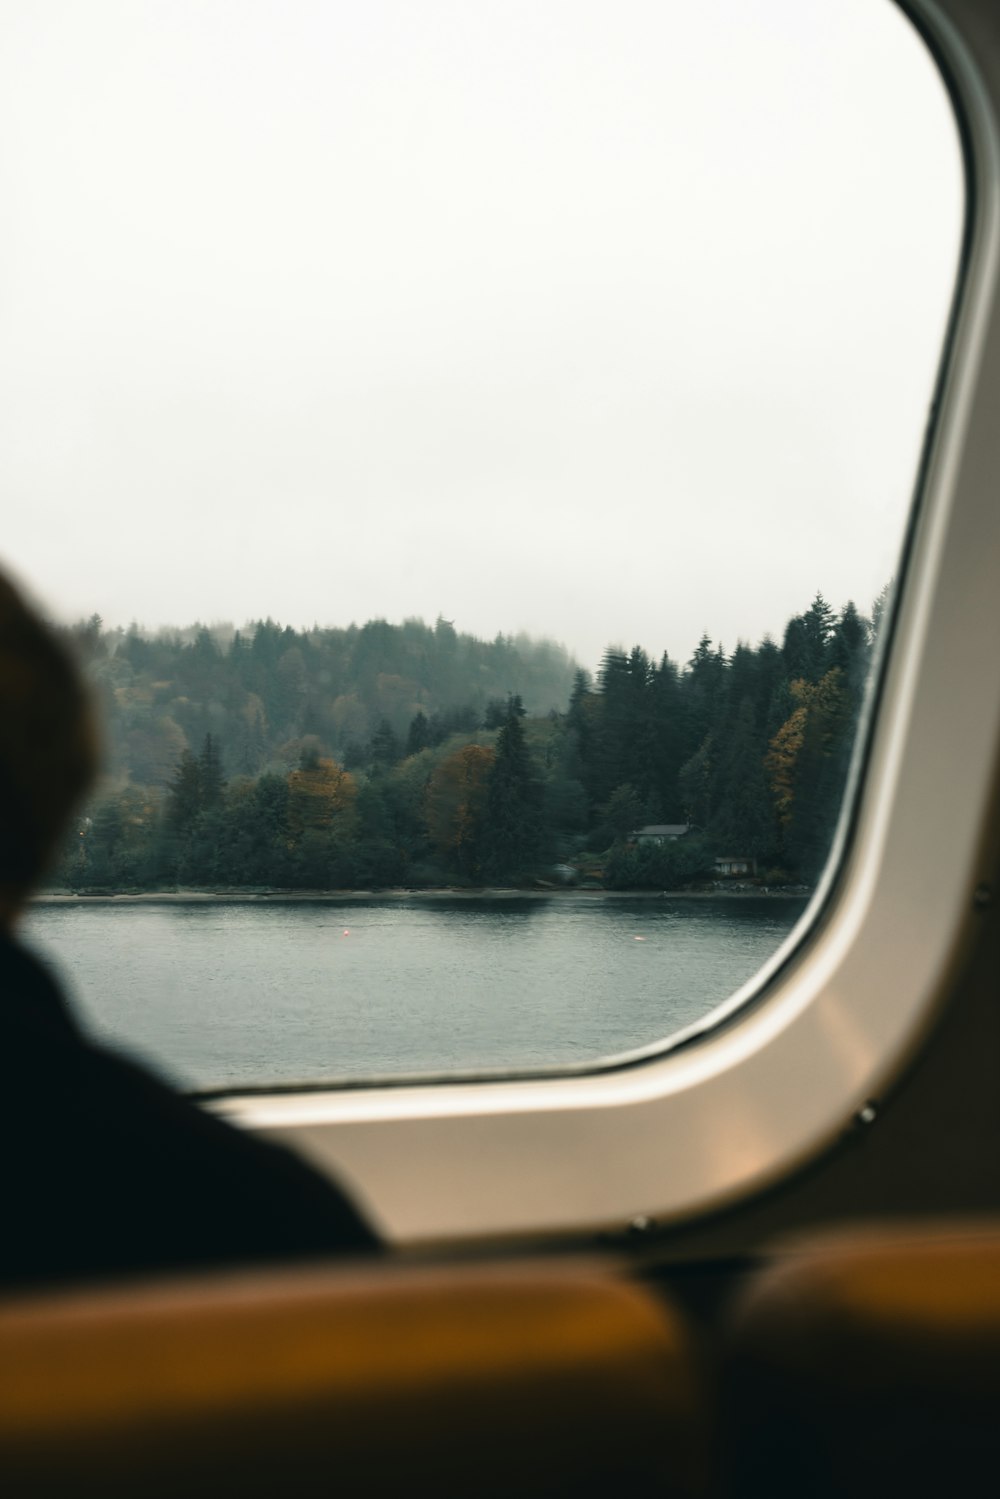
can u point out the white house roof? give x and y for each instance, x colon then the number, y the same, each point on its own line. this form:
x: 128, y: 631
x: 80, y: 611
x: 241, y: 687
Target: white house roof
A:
x: 663, y: 830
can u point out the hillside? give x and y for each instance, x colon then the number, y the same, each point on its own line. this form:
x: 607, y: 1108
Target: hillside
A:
x: 266, y: 691
x: 409, y: 755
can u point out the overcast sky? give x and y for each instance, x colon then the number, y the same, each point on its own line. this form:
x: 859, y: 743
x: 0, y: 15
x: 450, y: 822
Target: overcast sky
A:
x: 609, y: 322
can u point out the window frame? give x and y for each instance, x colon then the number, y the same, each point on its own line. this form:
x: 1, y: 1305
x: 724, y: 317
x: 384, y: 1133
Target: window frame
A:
x: 729, y: 1109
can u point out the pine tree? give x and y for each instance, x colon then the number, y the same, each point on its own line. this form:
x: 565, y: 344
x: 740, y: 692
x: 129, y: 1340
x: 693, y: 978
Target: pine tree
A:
x: 511, y: 832
x: 850, y: 650
x: 879, y: 607
x: 666, y: 726
x: 743, y: 823
x: 385, y: 748
x: 703, y: 685
x: 807, y: 641
x: 184, y: 795
x: 211, y: 781
x: 418, y: 738
x: 695, y: 783
x: 494, y: 713
x: 623, y: 812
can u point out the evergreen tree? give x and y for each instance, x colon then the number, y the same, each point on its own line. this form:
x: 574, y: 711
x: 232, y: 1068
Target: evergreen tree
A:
x: 385, y: 747
x: 211, y: 781
x: 624, y: 812
x: 850, y: 651
x: 581, y: 730
x: 742, y: 823
x: 103, y: 844
x: 820, y: 771
x: 511, y: 833
x: 607, y: 763
x: 184, y: 798
x: 494, y: 713
x: 795, y: 651
x: 807, y: 640
x: 251, y: 736
x: 418, y: 737
x: 695, y: 784
x: 770, y: 712
x: 879, y: 607
x: 703, y: 686
x: 666, y: 728
x: 752, y: 749
x: 641, y: 750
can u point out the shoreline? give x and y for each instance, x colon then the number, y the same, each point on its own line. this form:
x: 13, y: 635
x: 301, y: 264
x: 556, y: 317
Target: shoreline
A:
x: 437, y: 893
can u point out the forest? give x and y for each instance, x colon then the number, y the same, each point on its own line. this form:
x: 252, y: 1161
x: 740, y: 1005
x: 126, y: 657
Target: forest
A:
x: 416, y: 756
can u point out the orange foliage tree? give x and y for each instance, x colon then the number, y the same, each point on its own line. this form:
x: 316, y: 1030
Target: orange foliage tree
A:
x: 454, y: 802
x: 319, y: 792
x: 783, y: 753
x: 805, y: 765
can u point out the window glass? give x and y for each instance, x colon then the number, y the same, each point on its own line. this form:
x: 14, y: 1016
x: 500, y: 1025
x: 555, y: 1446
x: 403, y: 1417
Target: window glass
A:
x: 470, y: 445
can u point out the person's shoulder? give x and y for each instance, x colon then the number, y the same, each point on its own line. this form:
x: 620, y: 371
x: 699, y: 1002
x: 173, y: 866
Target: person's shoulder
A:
x: 172, y: 1182
x: 242, y: 1195
x: 32, y: 1007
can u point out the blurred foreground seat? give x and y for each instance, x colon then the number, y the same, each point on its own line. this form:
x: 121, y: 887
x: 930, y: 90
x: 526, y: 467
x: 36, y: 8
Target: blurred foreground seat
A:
x: 543, y: 1378
x: 868, y: 1364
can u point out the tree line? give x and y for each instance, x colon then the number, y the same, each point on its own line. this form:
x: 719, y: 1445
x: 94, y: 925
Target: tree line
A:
x: 308, y: 760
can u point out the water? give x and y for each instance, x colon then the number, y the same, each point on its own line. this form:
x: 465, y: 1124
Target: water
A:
x: 221, y: 993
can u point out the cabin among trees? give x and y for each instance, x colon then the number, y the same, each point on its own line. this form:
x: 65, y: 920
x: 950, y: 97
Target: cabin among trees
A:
x: 661, y: 832
x: 730, y: 866
x: 413, y: 755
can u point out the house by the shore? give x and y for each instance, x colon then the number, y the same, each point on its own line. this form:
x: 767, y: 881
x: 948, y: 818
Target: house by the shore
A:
x: 662, y: 832
x: 726, y: 866
x: 732, y: 866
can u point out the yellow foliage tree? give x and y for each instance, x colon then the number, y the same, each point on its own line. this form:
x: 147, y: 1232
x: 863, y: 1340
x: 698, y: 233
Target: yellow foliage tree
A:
x: 783, y: 753
x: 454, y: 800
x: 822, y: 713
x: 319, y: 791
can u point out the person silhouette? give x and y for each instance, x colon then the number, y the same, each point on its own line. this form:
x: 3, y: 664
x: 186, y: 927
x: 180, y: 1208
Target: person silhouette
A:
x: 106, y: 1169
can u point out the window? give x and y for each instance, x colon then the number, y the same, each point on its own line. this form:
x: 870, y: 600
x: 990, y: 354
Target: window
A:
x: 212, y: 205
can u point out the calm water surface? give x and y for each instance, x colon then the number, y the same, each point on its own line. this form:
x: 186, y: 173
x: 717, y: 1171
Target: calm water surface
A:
x: 226, y: 993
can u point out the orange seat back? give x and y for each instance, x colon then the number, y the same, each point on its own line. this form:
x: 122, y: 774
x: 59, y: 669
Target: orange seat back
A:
x: 521, y: 1379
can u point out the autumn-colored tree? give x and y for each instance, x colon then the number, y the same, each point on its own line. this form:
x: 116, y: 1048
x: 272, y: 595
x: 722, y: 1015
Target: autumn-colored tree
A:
x: 454, y: 802
x: 319, y: 791
x: 751, y: 747
x: 806, y: 764
x: 782, y: 756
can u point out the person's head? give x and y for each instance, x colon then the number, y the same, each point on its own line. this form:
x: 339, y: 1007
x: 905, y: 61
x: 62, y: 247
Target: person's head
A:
x: 48, y: 753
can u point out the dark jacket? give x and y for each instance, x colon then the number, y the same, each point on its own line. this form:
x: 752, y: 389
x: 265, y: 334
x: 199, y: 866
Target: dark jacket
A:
x: 107, y: 1170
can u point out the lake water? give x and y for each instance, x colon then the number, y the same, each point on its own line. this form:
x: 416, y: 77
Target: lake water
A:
x: 221, y: 993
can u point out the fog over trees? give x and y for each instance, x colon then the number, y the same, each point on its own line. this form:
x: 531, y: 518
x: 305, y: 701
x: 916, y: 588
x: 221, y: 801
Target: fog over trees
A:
x: 411, y: 755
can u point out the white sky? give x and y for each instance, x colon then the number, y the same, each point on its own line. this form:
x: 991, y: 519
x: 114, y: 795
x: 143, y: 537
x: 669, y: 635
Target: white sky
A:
x: 603, y: 321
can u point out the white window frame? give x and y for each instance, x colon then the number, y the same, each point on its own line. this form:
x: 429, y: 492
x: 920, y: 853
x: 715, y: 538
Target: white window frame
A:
x: 839, y: 1009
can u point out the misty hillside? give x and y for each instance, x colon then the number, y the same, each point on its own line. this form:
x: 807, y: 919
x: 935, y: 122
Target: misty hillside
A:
x: 405, y: 756
x: 264, y: 691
